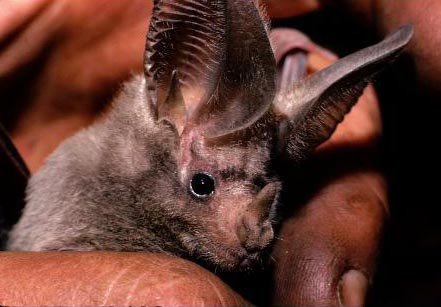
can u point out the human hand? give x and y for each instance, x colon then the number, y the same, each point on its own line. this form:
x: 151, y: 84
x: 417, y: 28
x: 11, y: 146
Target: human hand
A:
x: 108, y: 279
x: 335, y: 208
x: 61, y: 62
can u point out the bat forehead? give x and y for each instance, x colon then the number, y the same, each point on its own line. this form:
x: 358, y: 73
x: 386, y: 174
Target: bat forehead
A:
x: 248, y: 158
x: 233, y: 161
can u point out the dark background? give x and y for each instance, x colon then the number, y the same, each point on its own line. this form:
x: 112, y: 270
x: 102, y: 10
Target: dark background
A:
x: 409, y: 271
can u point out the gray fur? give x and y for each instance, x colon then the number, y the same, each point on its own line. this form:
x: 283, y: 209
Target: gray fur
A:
x: 123, y: 183
x: 116, y: 186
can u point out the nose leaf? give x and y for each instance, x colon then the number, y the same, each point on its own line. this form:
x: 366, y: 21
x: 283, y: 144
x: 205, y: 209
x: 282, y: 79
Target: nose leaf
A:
x: 254, y: 229
x: 260, y: 207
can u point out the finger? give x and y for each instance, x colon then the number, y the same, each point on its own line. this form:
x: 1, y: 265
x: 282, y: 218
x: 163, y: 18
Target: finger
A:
x: 14, y: 14
x: 21, y: 35
x: 352, y: 289
x: 326, y: 251
x: 325, y: 254
x: 424, y: 47
x: 59, y: 66
x: 108, y: 279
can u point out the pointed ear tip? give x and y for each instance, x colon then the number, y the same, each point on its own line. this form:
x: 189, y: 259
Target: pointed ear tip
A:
x: 403, y: 34
x: 407, y: 28
x: 408, y: 31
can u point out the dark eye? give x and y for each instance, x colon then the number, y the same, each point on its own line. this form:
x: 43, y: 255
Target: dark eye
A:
x: 202, y: 185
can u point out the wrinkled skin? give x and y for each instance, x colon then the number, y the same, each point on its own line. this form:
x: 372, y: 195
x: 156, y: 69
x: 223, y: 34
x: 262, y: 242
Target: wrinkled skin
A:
x: 109, y: 279
x: 67, y: 65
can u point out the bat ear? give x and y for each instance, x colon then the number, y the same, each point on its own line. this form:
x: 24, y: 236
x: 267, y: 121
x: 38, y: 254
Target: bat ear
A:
x: 14, y: 176
x: 313, y: 107
x: 209, y: 64
x: 173, y: 108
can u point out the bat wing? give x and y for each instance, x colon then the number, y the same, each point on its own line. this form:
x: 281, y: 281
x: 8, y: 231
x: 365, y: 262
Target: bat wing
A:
x: 14, y: 176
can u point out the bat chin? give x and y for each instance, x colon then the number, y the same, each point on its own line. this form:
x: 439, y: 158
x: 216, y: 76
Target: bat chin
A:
x: 235, y: 260
x: 220, y: 257
x: 250, y: 262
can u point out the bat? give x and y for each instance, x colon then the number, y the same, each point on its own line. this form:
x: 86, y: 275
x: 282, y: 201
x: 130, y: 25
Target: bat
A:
x: 183, y: 164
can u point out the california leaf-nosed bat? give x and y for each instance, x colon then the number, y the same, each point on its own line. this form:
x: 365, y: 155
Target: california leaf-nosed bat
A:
x: 184, y: 162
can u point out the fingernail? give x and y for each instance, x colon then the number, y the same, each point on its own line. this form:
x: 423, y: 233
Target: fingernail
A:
x: 352, y: 289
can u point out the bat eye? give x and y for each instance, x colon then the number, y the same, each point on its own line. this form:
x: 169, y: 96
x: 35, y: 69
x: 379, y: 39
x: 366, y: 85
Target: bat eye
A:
x: 202, y: 185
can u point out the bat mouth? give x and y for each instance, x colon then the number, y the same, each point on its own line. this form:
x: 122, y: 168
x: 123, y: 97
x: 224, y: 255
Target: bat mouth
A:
x: 217, y: 256
x: 238, y: 260
x: 251, y: 261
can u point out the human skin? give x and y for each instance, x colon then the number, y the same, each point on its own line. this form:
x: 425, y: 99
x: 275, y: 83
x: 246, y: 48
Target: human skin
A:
x: 327, y: 247
x: 385, y: 16
x: 424, y: 49
x: 65, y: 59
x: 108, y: 279
x: 424, y: 57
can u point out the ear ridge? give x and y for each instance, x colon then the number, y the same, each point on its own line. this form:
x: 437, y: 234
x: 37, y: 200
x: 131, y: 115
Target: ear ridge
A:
x: 225, y: 62
x: 246, y: 88
x: 322, y: 120
x: 316, y: 105
x: 173, y: 109
x: 187, y: 36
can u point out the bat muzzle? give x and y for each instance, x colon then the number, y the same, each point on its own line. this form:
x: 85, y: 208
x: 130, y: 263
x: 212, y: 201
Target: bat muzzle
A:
x: 255, y: 230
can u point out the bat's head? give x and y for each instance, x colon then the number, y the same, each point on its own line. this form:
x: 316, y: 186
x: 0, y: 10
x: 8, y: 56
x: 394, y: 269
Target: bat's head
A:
x: 211, y: 77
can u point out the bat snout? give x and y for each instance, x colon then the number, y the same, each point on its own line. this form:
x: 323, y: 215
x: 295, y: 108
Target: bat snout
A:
x: 254, y: 230
x: 255, y: 238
